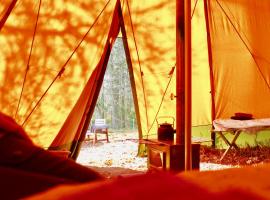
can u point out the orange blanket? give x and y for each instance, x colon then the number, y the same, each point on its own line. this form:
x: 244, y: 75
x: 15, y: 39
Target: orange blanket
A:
x: 251, y: 183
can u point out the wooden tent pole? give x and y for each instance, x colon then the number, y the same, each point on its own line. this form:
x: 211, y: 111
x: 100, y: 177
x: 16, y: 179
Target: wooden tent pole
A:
x: 188, y: 86
x: 76, y: 145
x: 180, y: 104
x: 188, y: 102
x: 101, y: 67
x: 210, y: 59
x: 130, y: 71
x: 212, y: 85
x: 183, y: 78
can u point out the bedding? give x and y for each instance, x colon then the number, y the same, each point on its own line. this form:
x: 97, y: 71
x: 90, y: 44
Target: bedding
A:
x: 249, y: 183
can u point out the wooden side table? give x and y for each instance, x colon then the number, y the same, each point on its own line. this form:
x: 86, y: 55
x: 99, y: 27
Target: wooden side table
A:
x: 169, y: 156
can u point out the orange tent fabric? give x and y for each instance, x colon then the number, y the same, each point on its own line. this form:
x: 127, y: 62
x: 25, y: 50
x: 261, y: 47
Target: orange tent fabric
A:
x: 240, y: 57
x: 54, y: 54
x: 46, y: 67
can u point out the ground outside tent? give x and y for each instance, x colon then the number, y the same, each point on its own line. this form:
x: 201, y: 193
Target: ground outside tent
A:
x: 119, y: 156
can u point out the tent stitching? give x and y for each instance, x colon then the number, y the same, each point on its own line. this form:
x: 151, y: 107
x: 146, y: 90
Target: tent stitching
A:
x: 65, y: 64
x: 29, y: 58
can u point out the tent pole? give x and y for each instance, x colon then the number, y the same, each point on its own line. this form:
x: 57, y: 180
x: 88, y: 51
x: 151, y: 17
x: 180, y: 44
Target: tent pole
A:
x: 180, y: 106
x: 76, y: 145
x: 101, y: 67
x: 210, y: 59
x: 183, y: 78
x: 130, y: 70
x: 212, y: 85
x: 188, y: 102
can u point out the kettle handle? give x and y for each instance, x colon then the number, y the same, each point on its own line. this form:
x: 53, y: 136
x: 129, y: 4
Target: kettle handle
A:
x: 168, y: 117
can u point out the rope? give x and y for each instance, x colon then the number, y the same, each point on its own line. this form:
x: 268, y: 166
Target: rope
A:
x: 136, y: 47
x: 65, y: 64
x: 7, y: 13
x: 241, y: 38
x: 29, y: 58
x: 162, y: 99
x: 193, y: 11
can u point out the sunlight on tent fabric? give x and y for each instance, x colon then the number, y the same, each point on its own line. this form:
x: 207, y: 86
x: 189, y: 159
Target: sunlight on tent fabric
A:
x: 153, y: 57
x: 4, y: 7
x: 55, y: 40
x: 51, y: 70
x: 240, y: 57
x: 201, y: 96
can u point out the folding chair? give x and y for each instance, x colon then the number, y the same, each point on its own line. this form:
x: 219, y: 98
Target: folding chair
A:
x: 100, y: 127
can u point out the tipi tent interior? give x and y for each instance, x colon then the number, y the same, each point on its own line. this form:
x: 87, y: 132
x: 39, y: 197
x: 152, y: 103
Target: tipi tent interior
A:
x: 207, y: 64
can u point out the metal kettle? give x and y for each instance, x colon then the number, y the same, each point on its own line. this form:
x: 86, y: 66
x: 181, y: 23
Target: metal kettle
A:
x: 166, y: 130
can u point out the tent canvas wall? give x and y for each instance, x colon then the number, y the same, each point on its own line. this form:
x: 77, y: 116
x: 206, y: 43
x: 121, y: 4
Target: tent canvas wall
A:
x: 54, y: 53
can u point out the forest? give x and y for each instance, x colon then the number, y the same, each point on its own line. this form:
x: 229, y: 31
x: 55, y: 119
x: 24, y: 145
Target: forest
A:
x: 115, y: 101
